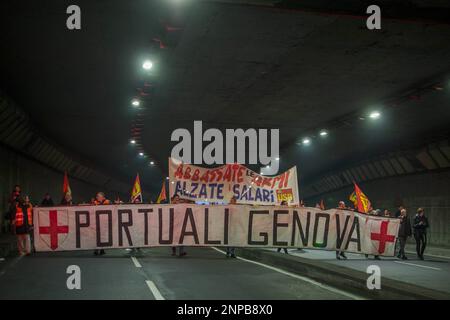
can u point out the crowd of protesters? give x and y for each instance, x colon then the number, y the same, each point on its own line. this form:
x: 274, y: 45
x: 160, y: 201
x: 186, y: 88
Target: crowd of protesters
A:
x: 20, y: 215
x: 418, y: 228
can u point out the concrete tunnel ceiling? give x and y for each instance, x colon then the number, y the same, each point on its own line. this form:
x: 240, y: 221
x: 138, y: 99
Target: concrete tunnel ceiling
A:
x: 298, y: 68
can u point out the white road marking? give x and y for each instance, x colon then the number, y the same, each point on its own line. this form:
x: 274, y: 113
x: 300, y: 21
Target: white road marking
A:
x: 2, y: 259
x: 12, y: 264
x: 296, y: 276
x: 431, y: 255
x: 154, y: 290
x: 136, y: 262
x: 417, y: 265
x: 151, y: 285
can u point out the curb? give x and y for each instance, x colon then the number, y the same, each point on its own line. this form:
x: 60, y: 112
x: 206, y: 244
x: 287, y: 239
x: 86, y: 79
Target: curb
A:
x: 343, y: 278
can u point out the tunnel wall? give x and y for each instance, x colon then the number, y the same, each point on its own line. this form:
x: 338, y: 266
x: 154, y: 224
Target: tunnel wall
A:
x: 430, y: 191
x: 37, y: 179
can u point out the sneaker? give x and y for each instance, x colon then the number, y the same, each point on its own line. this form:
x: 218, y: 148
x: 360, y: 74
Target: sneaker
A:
x: 233, y: 256
x: 343, y: 256
x: 102, y: 252
x: 377, y: 258
x: 96, y: 252
x: 183, y: 254
x: 404, y: 258
x: 421, y: 258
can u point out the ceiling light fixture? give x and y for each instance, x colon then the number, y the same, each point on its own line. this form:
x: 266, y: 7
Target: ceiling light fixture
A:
x: 147, y: 65
x: 374, y: 115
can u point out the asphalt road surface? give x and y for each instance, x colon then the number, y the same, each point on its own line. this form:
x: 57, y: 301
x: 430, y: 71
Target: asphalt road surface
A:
x: 205, y: 273
x: 432, y: 273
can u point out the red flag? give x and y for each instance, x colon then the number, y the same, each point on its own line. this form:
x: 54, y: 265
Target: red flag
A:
x: 162, y: 194
x: 136, y: 192
x: 362, y: 202
x: 66, y: 186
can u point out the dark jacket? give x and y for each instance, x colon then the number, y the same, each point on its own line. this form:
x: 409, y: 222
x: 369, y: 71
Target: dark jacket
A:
x: 47, y: 203
x: 13, y: 201
x: 404, y: 230
x: 418, y: 226
x: 64, y: 202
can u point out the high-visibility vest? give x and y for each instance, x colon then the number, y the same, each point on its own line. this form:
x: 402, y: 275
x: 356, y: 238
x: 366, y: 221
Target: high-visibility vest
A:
x: 97, y: 203
x: 19, y: 216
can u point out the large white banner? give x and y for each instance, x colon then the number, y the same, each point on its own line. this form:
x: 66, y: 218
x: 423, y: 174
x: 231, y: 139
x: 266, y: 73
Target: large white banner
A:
x: 126, y: 226
x: 220, y: 184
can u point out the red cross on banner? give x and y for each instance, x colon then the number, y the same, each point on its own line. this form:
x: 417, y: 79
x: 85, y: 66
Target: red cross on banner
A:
x: 53, y: 229
x: 383, y: 237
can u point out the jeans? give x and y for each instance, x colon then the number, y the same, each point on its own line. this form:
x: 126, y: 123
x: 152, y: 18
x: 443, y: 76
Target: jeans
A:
x: 421, y: 242
x: 402, y: 242
x: 24, y: 243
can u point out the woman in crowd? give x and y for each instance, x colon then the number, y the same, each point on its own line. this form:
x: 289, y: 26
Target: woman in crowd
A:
x: 67, y: 200
x: 404, y: 232
x: 420, y: 232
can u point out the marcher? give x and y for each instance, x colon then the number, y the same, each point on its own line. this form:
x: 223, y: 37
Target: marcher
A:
x: 377, y: 213
x: 404, y: 232
x: 100, y: 200
x: 176, y: 199
x: 23, y: 223
x: 136, y: 200
x: 47, y: 201
x: 15, y: 195
x: 399, y: 211
x: 118, y: 201
x: 340, y: 254
x: 283, y: 203
x: 420, y: 232
x: 230, y: 251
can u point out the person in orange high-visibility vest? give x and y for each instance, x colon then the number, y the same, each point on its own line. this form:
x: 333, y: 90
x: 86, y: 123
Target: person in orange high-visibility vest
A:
x: 23, y: 222
x: 100, y: 199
